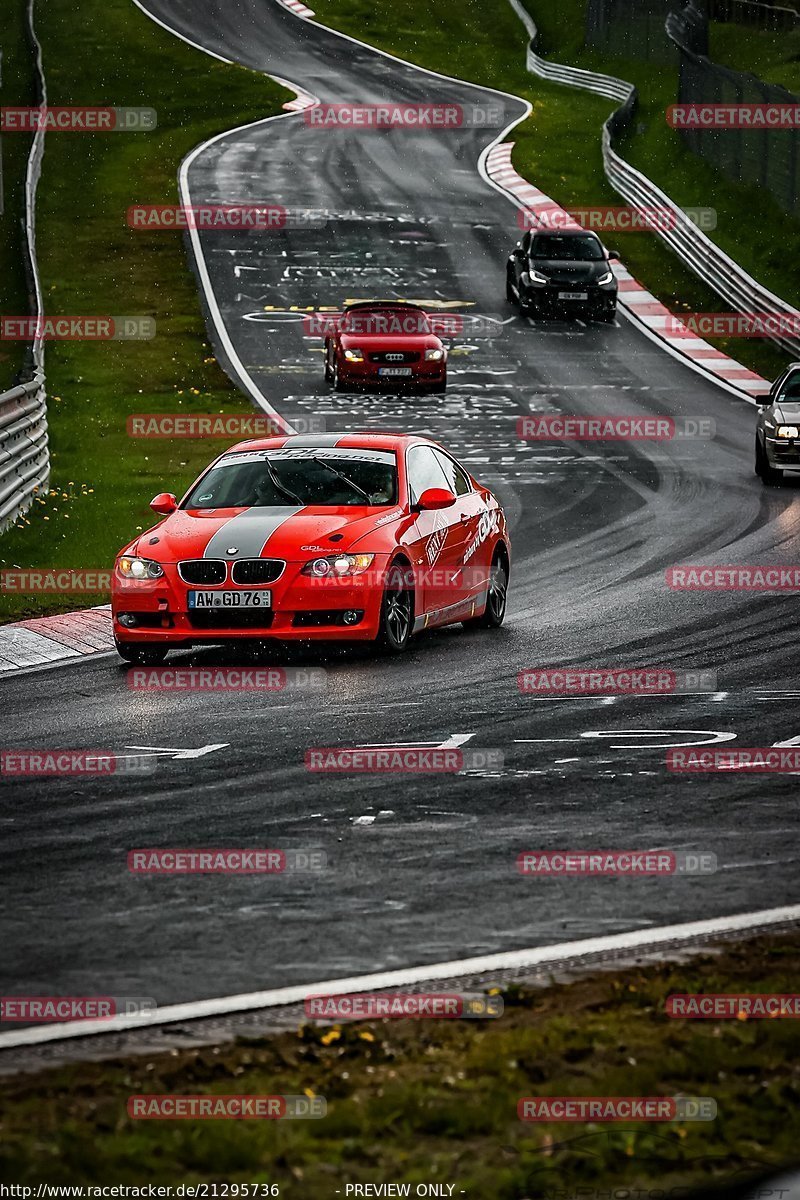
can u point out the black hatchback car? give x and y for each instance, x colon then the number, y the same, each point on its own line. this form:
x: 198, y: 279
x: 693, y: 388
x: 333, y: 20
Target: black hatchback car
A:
x: 549, y: 273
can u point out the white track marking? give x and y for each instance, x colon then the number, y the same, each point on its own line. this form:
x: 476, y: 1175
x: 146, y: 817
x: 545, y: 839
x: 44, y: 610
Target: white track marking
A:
x: 175, y: 752
x: 618, y: 943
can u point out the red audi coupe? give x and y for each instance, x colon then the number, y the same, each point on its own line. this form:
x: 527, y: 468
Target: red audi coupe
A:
x: 389, y: 343
x: 366, y: 537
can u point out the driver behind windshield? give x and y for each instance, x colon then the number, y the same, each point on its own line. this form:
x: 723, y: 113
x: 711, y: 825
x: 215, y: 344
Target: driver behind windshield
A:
x: 279, y: 482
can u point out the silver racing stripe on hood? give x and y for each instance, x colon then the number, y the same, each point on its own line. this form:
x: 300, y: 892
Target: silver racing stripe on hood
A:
x: 249, y: 532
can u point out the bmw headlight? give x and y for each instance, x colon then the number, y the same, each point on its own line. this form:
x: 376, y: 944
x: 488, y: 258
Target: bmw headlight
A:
x: 354, y: 355
x: 139, y: 568
x: 788, y: 431
x: 336, y: 566
x: 537, y: 277
x: 434, y: 355
x: 605, y: 279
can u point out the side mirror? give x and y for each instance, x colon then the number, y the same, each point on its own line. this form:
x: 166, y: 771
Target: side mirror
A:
x: 434, y: 498
x: 613, y: 254
x: 164, y: 503
x: 764, y: 401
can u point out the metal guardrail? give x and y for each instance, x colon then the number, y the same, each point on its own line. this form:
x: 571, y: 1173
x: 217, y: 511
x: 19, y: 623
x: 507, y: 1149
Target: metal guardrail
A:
x: 24, y: 460
x: 24, y: 452
x: 691, y: 245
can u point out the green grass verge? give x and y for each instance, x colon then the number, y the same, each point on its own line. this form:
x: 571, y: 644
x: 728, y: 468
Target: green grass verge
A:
x: 109, y: 52
x: 18, y: 88
x: 774, y: 57
x: 558, y: 147
x: 436, y: 1101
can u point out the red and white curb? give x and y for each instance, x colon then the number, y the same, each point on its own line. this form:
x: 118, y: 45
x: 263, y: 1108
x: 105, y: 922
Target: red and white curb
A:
x: 641, y: 305
x: 302, y: 99
x: 41, y: 641
x: 296, y: 6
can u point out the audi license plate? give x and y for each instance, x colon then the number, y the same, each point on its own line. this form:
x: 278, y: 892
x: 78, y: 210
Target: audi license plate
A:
x: 573, y: 295
x: 246, y: 598
x: 394, y: 371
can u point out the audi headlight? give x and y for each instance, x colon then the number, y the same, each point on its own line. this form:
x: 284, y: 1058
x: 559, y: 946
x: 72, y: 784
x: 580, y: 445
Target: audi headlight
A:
x: 788, y: 431
x: 139, y: 568
x: 335, y: 566
x: 434, y: 355
x: 354, y: 355
x: 537, y: 277
x: 607, y: 278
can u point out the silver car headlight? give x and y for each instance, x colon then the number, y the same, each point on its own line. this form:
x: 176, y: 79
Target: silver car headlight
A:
x: 132, y: 567
x: 788, y: 431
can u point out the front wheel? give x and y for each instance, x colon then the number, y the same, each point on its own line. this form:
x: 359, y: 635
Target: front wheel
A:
x: 140, y: 653
x: 527, y: 305
x: 608, y: 316
x: 766, y: 473
x: 494, y: 614
x: 397, y: 611
x: 336, y: 382
x: 511, y: 295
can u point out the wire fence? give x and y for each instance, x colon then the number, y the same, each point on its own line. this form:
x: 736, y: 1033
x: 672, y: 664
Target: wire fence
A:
x: 771, y: 17
x: 765, y: 158
x: 631, y: 29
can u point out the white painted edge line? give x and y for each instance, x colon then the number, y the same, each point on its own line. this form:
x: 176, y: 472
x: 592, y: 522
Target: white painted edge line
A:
x: 72, y: 660
x: 245, y: 378
x: 183, y: 38
x: 637, y: 939
x: 205, y: 279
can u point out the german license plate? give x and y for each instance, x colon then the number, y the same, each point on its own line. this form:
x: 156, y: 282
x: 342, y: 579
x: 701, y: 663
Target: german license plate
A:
x: 246, y: 598
x: 394, y: 372
x: 573, y: 295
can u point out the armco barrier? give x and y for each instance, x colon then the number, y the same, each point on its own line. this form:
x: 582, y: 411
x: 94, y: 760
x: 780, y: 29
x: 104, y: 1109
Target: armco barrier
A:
x: 24, y: 462
x: 692, y: 246
x: 24, y: 454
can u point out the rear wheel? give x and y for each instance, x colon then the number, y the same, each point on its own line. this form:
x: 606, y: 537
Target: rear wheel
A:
x: 397, y: 611
x: 766, y: 473
x: 140, y: 653
x: 494, y: 614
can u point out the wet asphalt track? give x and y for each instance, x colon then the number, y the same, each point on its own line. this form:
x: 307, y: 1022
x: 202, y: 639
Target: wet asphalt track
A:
x: 423, y: 868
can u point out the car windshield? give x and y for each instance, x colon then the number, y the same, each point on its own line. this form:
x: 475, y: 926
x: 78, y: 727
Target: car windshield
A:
x: 567, y: 249
x: 295, y: 477
x: 381, y: 321
x: 790, y: 392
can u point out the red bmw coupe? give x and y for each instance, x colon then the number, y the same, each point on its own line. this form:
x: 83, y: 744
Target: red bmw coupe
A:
x: 365, y: 537
x: 388, y: 343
